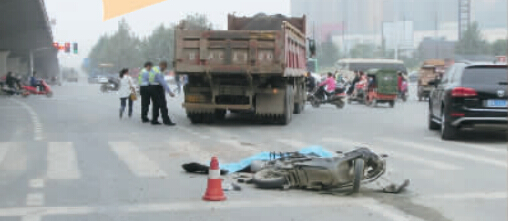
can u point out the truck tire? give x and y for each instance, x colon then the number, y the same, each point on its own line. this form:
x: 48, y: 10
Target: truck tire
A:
x: 286, y: 118
x: 195, y: 118
x: 300, y: 103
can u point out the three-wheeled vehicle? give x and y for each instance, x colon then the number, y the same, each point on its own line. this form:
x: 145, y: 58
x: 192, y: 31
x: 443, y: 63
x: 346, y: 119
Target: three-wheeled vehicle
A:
x: 381, y: 87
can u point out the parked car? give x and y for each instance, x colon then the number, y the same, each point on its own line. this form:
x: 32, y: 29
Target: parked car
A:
x: 469, y: 95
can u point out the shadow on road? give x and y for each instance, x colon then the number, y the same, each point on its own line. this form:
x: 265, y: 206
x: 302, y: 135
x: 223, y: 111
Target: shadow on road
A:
x: 484, y: 137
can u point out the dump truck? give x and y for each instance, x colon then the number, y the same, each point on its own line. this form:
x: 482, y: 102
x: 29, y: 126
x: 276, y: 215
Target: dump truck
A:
x: 257, y: 66
x: 427, y: 75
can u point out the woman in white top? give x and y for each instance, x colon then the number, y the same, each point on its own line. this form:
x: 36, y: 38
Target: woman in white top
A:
x: 126, y: 88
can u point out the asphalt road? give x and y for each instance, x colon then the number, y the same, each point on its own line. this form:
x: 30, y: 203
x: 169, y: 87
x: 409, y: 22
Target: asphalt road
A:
x: 70, y: 157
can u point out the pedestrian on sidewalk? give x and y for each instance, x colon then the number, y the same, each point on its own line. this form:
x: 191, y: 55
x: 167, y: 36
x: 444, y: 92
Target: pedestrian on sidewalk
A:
x: 158, y: 87
x: 125, y: 91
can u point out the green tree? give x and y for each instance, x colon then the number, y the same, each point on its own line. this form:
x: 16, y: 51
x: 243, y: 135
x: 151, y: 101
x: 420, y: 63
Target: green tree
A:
x: 499, y: 47
x: 195, y: 22
x: 327, y: 54
x: 362, y: 51
x: 472, y: 42
x: 159, y: 45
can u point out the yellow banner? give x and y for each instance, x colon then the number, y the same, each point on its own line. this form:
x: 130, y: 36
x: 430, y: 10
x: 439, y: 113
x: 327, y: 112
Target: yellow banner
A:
x: 115, y: 8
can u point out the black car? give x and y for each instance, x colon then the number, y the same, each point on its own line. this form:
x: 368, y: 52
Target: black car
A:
x: 469, y: 95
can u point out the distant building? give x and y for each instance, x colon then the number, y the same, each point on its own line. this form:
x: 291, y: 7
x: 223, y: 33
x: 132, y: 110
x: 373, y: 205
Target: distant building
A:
x: 437, y: 49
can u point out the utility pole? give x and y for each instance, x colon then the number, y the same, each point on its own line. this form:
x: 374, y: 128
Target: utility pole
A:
x: 436, y: 32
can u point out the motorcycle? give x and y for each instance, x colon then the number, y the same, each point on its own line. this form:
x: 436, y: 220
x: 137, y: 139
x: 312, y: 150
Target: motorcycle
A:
x: 295, y: 170
x: 110, y: 85
x: 320, y: 96
x: 42, y: 89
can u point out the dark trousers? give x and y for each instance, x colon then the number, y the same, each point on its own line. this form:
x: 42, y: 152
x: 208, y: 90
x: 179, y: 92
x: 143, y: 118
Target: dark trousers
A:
x: 123, y: 103
x: 145, y: 101
x: 159, y: 104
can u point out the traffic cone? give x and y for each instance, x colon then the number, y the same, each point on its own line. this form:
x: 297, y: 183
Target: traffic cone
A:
x: 214, y: 189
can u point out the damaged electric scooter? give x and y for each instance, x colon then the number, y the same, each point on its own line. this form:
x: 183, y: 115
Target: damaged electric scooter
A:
x: 312, y: 171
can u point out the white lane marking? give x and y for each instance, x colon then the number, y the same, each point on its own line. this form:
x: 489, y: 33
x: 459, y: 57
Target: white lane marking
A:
x: 236, y: 144
x: 36, y: 183
x: 472, y: 146
x: 201, y: 155
x: 455, y: 154
x: 38, y: 129
x: 397, y: 154
x: 466, y: 196
x: 187, y: 130
x: 35, y: 199
x: 31, y: 218
x: 293, y: 143
x: 62, y: 161
x: 136, y: 160
x: 4, y: 148
x: 290, y: 202
x: 390, y: 212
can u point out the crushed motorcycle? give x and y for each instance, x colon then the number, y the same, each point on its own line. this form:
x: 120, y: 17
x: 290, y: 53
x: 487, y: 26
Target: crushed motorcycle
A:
x: 295, y: 170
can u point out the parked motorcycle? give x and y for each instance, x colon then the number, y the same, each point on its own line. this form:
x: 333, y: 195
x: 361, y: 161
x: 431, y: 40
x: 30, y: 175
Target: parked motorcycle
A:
x: 111, y: 85
x: 295, y: 170
x: 42, y: 89
x: 320, y: 96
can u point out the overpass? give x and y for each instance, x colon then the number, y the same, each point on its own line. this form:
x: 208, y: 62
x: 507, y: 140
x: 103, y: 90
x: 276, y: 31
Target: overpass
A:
x: 26, y: 40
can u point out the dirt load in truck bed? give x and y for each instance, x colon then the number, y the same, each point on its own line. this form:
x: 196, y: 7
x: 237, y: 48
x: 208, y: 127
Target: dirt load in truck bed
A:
x: 262, y: 22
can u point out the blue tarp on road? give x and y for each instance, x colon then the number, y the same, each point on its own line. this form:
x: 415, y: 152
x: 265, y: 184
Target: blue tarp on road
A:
x: 234, y: 167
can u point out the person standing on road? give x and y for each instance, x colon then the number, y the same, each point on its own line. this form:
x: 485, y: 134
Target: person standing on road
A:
x: 125, y: 91
x: 157, y: 87
x: 144, y: 90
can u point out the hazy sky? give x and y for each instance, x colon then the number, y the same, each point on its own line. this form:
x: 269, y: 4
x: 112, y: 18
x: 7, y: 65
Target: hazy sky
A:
x: 81, y: 20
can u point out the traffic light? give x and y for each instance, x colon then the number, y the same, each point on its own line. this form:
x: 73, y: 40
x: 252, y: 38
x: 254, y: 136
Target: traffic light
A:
x: 75, y: 47
x: 67, y: 47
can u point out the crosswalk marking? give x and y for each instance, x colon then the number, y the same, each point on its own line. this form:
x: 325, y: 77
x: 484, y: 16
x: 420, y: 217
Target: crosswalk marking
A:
x: 474, y: 196
x: 238, y: 146
x: 369, y: 204
x: 455, y: 154
x: 136, y: 160
x: 62, y: 161
x: 4, y: 148
x: 293, y: 143
x: 398, y: 154
x: 471, y: 146
x: 35, y: 199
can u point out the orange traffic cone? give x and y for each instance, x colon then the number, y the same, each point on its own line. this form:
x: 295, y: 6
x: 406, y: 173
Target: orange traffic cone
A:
x: 214, y: 189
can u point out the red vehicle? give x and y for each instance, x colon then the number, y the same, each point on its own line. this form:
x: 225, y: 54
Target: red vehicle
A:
x: 42, y: 89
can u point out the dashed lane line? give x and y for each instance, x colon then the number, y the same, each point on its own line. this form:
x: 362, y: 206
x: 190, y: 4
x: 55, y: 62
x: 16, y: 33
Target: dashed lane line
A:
x: 456, y: 154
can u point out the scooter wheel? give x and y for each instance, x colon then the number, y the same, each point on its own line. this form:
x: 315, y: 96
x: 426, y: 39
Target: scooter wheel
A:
x: 264, y: 179
x: 359, y: 166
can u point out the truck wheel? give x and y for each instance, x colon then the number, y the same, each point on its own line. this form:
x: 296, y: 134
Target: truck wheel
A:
x: 286, y: 118
x: 195, y: 118
x: 220, y: 114
x: 392, y: 103
x: 300, y: 105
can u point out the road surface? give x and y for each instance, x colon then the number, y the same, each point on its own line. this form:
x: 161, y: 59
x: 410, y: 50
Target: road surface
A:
x: 70, y: 157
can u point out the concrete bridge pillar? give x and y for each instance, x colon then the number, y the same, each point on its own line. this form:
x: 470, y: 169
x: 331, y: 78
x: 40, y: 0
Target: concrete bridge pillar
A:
x: 3, y: 62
